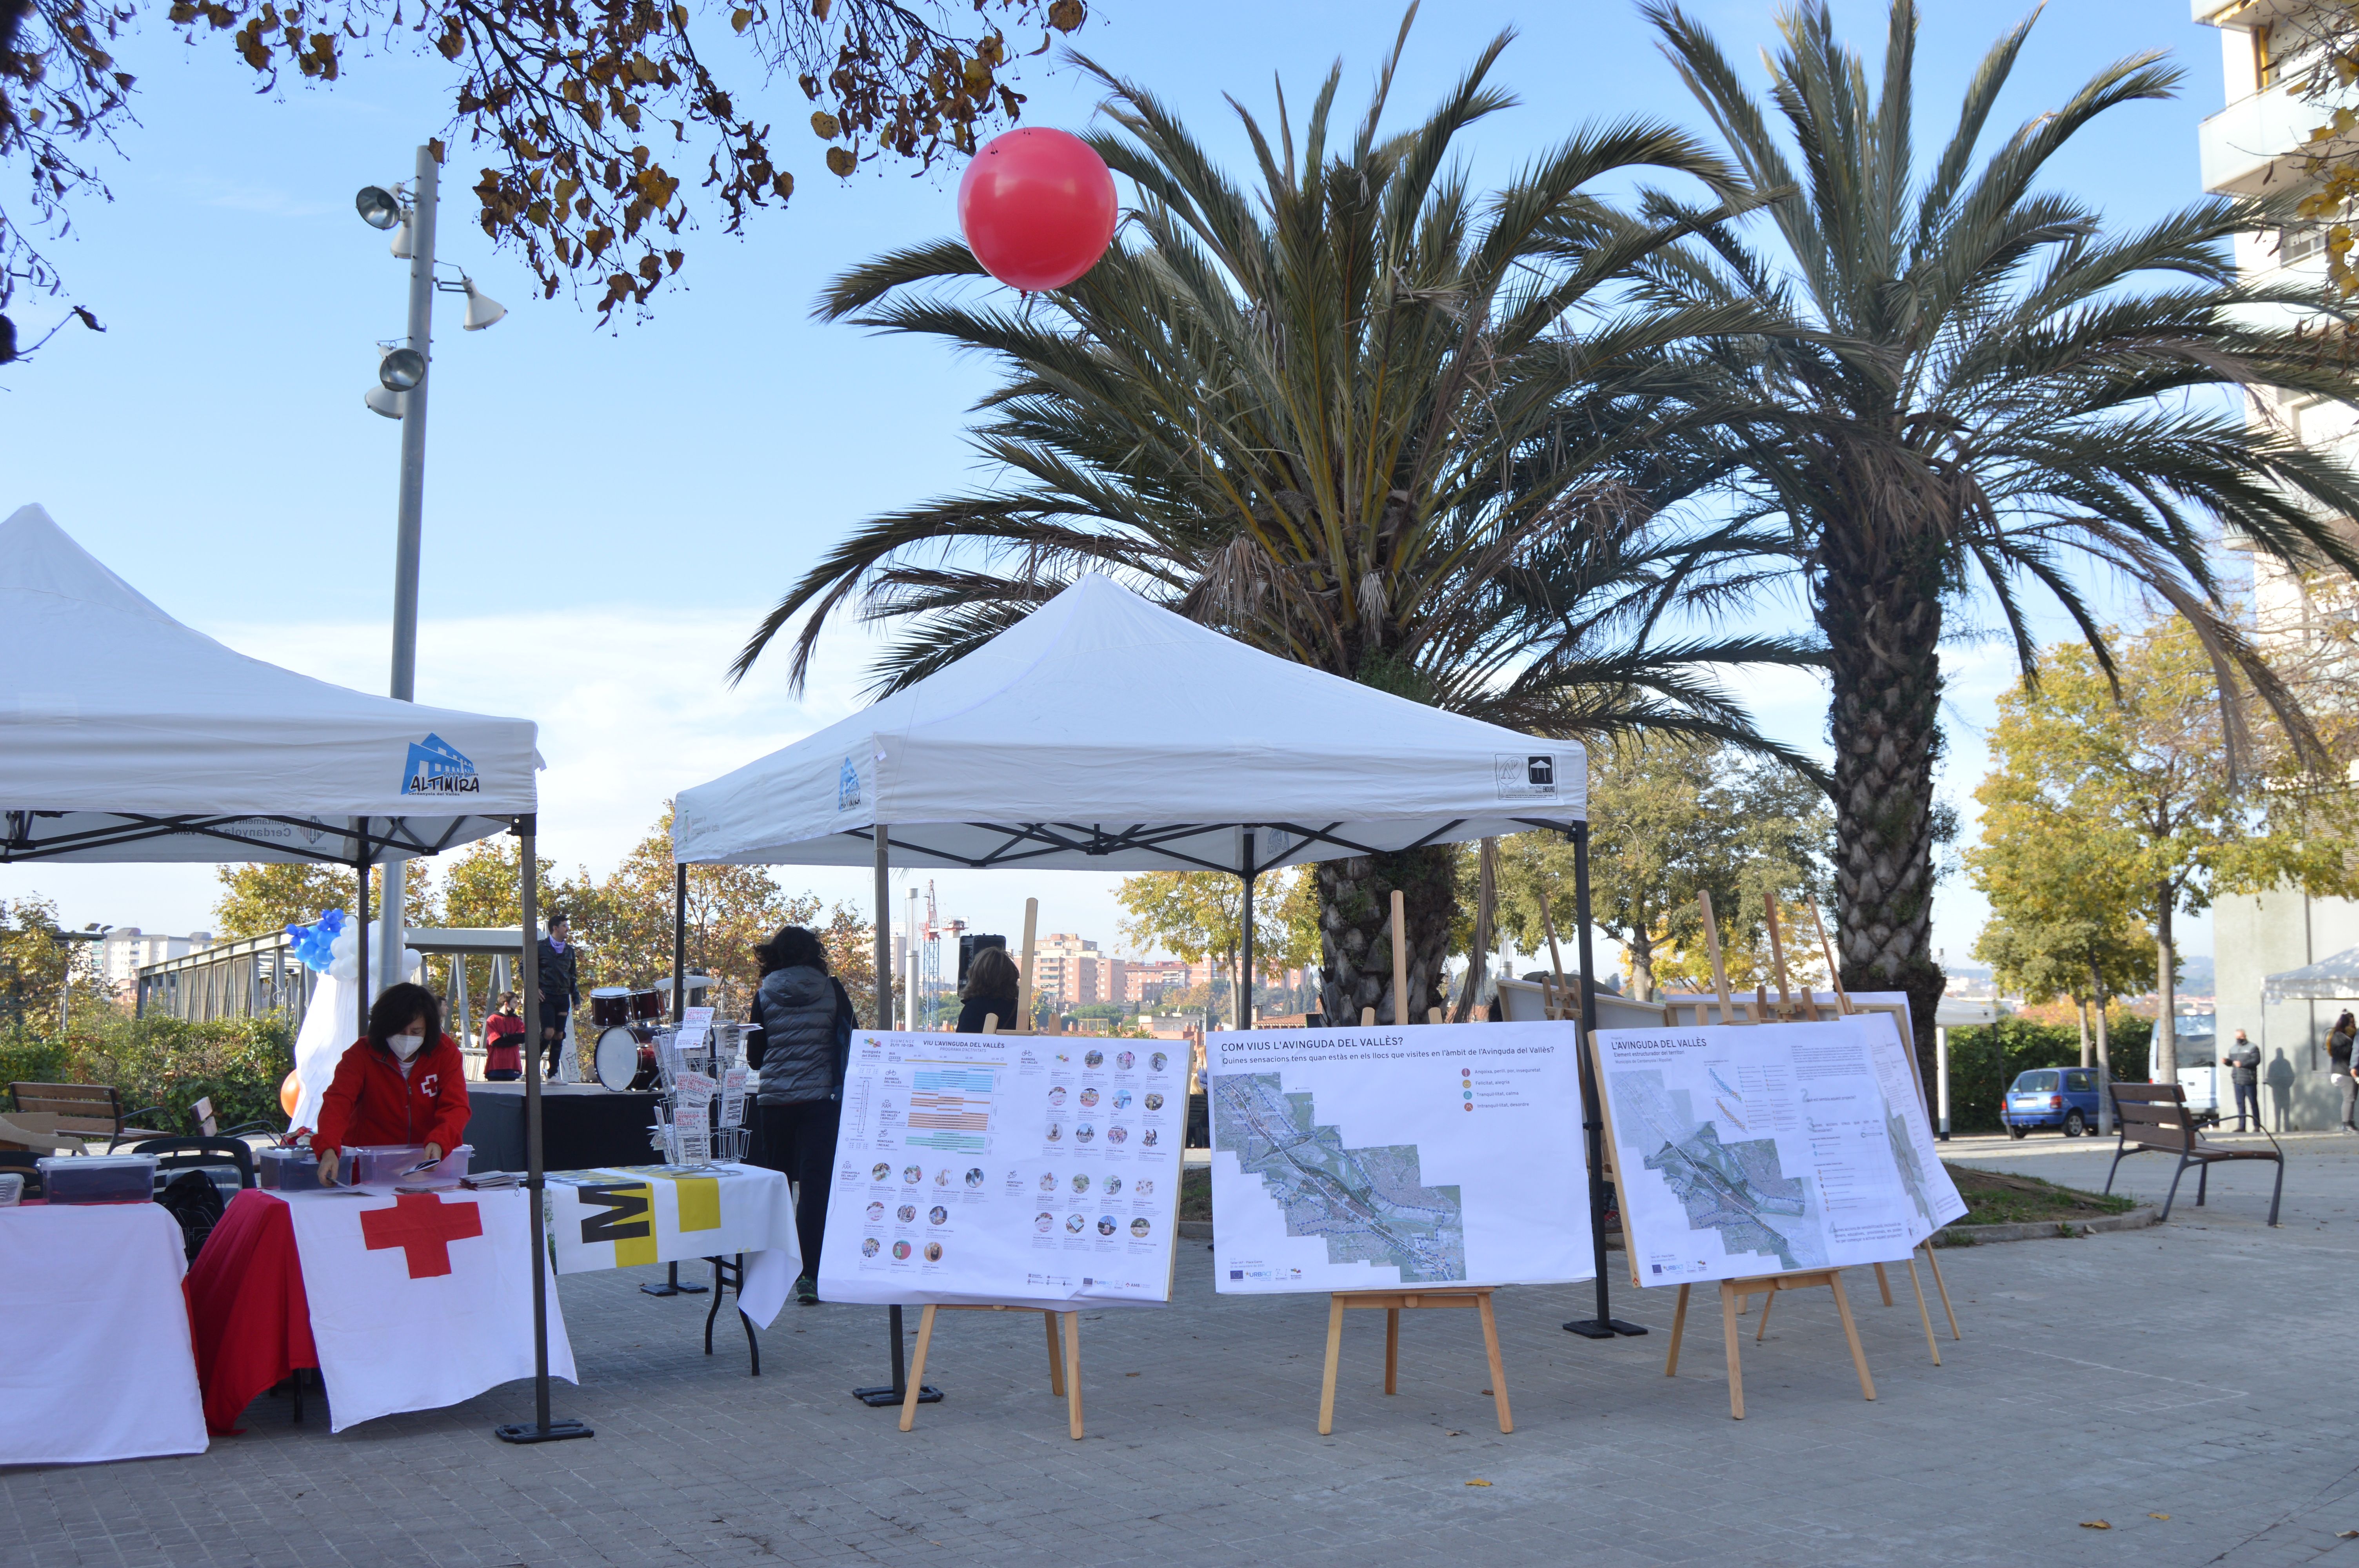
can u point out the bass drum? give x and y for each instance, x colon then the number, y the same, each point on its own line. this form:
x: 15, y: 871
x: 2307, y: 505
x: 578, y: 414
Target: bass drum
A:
x: 627, y: 1057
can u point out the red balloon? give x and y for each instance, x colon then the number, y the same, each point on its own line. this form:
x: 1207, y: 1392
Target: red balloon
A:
x: 1037, y: 208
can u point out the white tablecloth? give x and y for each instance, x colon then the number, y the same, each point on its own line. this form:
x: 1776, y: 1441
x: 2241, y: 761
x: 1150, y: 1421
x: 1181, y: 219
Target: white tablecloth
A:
x: 423, y: 1301
x: 631, y: 1215
x: 98, y: 1363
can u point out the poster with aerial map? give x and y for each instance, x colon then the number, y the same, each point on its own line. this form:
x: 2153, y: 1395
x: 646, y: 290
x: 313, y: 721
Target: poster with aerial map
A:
x: 1371, y: 1158
x: 1755, y: 1150
x: 1006, y: 1168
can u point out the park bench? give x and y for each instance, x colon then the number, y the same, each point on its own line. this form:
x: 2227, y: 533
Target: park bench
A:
x: 2155, y: 1115
x: 92, y: 1110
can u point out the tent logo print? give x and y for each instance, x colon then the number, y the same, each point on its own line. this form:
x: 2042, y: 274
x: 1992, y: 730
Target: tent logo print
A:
x: 436, y: 767
x: 1525, y: 777
x: 847, y: 787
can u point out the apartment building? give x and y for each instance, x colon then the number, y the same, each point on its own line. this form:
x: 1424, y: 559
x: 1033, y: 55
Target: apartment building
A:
x: 2253, y: 146
x: 127, y: 948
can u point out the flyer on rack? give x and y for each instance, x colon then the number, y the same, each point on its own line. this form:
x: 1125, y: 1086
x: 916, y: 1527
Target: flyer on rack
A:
x: 1756, y: 1149
x: 1366, y: 1158
x: 1019, y: 1168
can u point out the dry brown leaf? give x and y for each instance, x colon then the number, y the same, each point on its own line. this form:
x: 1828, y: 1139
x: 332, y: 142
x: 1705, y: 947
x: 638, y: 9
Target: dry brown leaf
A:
x: 2095, y: 1524
x: 1478, y: 1483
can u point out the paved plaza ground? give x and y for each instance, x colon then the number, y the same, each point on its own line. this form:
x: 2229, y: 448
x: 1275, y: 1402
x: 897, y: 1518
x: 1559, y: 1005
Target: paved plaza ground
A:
x: 2204, y: 1370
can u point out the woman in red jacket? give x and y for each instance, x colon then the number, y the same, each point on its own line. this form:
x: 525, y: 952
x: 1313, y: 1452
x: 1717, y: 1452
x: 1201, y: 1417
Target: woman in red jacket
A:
x: 405, y: 1083
x: 504, y: 1042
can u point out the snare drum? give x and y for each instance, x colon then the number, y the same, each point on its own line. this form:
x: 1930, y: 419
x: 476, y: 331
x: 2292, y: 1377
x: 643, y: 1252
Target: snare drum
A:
x: 647, y: 1006
x: 610, y: 1006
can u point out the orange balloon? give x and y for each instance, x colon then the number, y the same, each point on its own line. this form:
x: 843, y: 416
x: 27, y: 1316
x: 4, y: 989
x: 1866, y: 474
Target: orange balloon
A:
x: 291, y: 1092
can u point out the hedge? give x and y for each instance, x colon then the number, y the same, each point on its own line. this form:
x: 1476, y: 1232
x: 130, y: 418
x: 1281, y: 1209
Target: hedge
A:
x: 1983, y: 1061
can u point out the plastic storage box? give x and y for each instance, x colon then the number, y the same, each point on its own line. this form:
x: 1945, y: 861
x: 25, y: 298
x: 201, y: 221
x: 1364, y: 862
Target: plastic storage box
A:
x: 98, y: 1178
x: 383, y: 1164
x: 288, y: 1170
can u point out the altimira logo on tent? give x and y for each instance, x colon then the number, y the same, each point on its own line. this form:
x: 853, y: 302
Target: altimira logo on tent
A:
x: 436, y: 767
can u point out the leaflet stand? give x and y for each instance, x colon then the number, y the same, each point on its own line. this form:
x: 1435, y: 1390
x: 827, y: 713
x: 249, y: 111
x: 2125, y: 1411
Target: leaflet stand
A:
x: 1395, y: 1302
x: 1064, y: 1369
x: 1734, y: 1294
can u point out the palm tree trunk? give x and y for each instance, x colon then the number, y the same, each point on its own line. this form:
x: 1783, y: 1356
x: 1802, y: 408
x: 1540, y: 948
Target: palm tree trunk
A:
x: 1880, y: 606
x: 1354, y: 936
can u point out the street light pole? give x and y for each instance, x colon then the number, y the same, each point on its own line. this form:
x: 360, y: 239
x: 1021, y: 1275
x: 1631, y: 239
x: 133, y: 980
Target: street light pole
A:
x: 410, y: 519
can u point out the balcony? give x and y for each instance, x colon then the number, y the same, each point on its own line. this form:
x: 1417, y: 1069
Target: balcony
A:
x: 2252, y: 148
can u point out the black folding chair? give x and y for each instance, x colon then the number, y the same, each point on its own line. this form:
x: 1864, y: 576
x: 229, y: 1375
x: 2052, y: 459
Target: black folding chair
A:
x: 217, y: 1157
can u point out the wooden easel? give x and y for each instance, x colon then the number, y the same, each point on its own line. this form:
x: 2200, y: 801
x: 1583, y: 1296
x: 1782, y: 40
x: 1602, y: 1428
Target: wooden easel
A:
x: 1734, y: 1294
x: 1064, y: 1369
x: 1843, y: 1007
x: 1395, y: 1302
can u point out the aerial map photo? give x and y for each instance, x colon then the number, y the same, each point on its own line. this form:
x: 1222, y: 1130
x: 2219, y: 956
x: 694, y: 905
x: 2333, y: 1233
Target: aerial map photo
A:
x: 1367, y: 1204
x: 1738, y: 1189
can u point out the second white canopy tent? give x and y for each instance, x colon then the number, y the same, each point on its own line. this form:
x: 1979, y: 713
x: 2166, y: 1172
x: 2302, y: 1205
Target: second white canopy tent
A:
x: 1242, y: 762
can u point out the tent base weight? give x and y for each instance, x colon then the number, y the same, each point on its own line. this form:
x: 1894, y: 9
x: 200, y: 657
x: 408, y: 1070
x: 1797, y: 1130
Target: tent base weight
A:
x: 885, y: 1394
x: 1591, y: 1328
x: 530, y: 1432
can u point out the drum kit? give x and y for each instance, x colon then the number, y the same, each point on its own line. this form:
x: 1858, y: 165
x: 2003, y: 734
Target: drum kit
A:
x: 626, y: 1018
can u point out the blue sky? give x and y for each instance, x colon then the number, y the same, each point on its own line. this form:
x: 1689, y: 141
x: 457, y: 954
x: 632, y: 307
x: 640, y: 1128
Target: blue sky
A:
x: 607, y: 511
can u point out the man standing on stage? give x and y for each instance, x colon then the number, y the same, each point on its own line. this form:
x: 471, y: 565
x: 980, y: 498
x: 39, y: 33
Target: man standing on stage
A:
x: 558, y: 988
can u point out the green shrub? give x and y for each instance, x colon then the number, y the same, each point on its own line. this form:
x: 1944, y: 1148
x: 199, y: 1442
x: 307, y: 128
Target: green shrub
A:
x: 1984, y: 1060
x: 238, y: 1063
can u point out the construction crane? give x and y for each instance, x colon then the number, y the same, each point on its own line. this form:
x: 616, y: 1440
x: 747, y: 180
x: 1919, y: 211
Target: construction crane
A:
x: 930, y: 971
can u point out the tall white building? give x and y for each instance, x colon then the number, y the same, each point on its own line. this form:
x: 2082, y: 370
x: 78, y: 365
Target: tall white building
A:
x: 127, y: 948
x: 2253, y: 146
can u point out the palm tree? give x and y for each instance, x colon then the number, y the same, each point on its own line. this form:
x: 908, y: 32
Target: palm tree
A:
x: 1976, y: 389
x: 1340, y: 416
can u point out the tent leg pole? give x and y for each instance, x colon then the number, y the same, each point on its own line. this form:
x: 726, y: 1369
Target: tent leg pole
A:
x: 1604, y: 1325
x: 541, y: 1429
x: 1245, y: 976
x: 360, y: 940
x: 679, y: 943
x: 884, y: 929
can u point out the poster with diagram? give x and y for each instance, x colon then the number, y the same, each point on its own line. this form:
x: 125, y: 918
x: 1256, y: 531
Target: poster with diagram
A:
x: 1023, y: 1169
x: 1371, y: 1158
x: 1752, y: 1149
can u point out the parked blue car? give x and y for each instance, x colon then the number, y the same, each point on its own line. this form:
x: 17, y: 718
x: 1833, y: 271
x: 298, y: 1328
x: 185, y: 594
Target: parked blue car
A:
x: 2051, y: 1096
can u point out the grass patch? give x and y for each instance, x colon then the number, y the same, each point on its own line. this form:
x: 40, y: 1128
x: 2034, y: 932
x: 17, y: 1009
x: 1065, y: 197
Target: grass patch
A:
x: 1196, y: 1192
x: 1995, y: 1200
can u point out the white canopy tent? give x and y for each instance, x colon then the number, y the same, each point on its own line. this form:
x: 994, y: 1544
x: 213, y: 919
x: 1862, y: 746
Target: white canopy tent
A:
x: 2335, y: 977
x: 1104, y: 733
x: 126, y: 736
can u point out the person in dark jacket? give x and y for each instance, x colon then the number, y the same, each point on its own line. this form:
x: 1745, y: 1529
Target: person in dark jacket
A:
x: 992, y: 982
x: 558, y: 988
x: 807, y: 1022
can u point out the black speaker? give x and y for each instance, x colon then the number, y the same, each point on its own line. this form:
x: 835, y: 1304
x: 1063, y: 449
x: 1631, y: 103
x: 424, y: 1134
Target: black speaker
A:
x: 970, y: 944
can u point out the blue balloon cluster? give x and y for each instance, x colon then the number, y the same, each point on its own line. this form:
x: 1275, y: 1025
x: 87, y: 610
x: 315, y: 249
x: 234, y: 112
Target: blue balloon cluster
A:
x: 314, y: 944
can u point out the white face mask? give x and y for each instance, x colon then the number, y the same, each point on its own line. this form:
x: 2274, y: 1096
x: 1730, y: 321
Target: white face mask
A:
x: 407, y: 1045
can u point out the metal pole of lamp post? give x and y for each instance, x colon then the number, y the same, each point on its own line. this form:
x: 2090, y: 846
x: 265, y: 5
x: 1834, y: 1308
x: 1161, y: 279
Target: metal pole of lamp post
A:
x: 410, y: 514
x: 1941, y: 1076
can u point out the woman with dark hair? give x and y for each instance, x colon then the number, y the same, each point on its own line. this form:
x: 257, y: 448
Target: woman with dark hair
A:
x: 992, y: 982
x: 504, y: 1042
x: 807, y: 1023
x: 2339, y: 1041
x: 403, y: 1082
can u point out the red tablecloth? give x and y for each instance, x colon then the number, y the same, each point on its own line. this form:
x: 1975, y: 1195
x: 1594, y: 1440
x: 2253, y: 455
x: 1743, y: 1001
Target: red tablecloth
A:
x: 247, y: 1308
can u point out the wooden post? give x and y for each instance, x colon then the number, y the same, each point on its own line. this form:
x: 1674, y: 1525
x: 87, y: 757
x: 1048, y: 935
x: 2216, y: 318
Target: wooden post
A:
x: 1777, y: 964
x: 1024, y: 980
x: 1835, y: 974
x: 1719, y: 972
x: 1401, y: 1015
x: 1556, y: 1002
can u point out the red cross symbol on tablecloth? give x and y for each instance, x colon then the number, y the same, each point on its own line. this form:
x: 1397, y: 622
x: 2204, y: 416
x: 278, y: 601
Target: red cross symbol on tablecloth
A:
x: 423, y: 1227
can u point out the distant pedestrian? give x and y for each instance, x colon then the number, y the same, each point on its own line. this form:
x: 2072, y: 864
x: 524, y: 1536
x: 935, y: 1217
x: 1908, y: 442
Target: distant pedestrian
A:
x: 504, y: 1042
x: 558, y: 988
x: 2244, y: 1064
x: 2338, y: 1063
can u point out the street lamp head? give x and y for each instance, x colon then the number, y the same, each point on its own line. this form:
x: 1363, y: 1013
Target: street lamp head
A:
x: 379, y: 208
x: 482, y: 309
x: 392, y: 405
x: 401, y: 370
